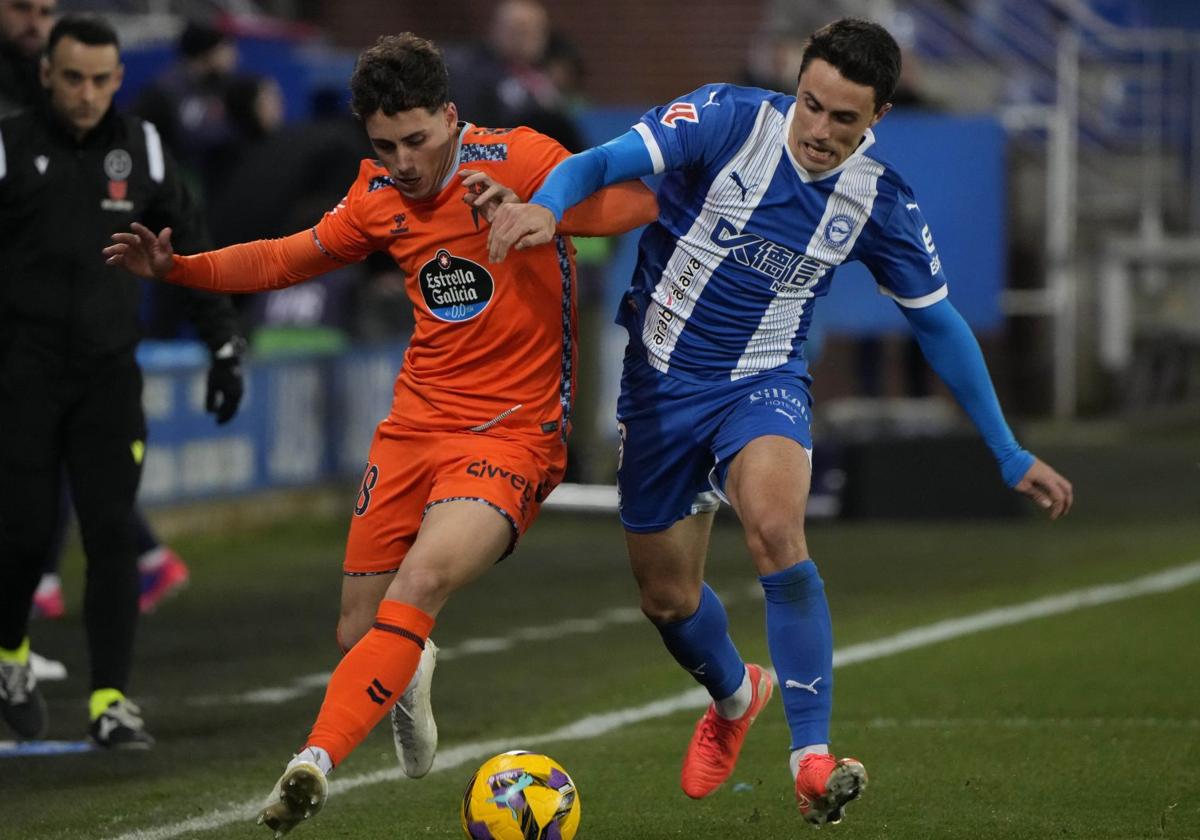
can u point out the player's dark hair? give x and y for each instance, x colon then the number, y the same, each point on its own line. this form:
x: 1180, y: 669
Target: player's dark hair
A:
x: 86, y: 29
x: 862, y: 51
x: 399, y: 73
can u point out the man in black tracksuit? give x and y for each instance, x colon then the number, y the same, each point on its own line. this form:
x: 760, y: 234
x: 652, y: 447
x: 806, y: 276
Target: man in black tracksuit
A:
x: 72, y: 172
x: 24, y: 26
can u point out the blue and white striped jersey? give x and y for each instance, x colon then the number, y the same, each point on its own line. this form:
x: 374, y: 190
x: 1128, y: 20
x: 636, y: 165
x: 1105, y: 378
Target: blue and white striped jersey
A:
x: 747, y: 240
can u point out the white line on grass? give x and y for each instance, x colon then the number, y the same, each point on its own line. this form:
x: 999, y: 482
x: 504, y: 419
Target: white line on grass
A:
x: 593, y: 726
x: 1023, y: 723
x: 309, y: 683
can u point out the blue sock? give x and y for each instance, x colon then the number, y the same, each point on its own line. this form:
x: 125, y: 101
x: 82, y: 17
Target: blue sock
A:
x: 800, y: 638
x: 701, y: 644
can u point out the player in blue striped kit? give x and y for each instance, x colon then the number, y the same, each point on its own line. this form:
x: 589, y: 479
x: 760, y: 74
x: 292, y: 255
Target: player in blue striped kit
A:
x: 764, y: 195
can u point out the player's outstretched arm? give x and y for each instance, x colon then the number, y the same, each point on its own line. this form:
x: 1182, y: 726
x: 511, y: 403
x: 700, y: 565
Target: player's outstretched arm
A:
x: 952, y: 351
x: 142, y: 252
x: 573, y: 180
x: 1051, y: 491
x: 257, y: 266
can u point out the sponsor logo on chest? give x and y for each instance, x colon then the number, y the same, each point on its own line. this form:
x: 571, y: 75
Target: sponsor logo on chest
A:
x: 792, y: 273
x: 454, y: 288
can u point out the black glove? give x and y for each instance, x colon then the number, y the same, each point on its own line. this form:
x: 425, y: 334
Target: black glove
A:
x: 225, y: 385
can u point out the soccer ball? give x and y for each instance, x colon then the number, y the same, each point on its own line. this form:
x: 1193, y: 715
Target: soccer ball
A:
x: 520, y: 795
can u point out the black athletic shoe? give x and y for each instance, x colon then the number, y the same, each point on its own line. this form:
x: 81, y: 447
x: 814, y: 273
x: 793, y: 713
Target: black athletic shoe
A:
x: 120, y: 727
x: 21, y: 704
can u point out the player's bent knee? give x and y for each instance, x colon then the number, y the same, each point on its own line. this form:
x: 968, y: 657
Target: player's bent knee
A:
x: 776, y: 541
x: 351, y: 628
x: 427, y: 588
x: 668, y: 604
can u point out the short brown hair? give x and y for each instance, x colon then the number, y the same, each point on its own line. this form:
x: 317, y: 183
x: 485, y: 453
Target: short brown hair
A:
x: 399, y: 73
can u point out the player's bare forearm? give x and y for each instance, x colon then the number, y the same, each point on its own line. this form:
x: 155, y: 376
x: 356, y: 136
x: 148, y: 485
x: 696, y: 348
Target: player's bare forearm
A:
x: 519, y: 226
x: 1047, y: 488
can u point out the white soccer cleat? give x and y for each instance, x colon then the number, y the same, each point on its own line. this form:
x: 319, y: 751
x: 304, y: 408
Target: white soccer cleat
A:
x: 46, y: 670
x: 299, y: 794
x: 414, y: 730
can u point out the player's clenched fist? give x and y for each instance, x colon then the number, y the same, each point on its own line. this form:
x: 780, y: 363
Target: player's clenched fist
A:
x: 1049, y: 489
x: 521, y: 226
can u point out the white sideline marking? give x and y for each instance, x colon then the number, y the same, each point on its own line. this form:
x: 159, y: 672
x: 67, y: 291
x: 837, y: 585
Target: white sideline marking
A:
x: 308, y: 683
x: 593, y: 726
x: 1023, y: 723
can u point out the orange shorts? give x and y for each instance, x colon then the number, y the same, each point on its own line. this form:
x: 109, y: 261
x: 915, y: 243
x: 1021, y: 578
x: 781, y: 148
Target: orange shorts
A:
x: 409, y: 471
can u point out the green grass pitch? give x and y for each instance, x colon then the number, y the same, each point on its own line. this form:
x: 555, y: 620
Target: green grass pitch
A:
x: 1084, y: 724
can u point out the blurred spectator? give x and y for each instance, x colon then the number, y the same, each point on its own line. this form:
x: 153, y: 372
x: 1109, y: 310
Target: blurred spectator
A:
x: 248, y: 201
x: 504, y: 82
x: 563, y: 65
x: 187, y: 103
x: 24, y: 26
x: 254, y: 112
x: 188, y: 106
x: 773, y: 57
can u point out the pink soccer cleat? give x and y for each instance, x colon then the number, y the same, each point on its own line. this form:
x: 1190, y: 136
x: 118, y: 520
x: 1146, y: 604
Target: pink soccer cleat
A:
x: 825, y: 784
x: 164, y: 575
x: 717, y: 742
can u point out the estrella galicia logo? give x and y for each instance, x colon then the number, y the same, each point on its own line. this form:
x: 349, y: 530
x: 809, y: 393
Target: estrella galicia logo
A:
x: 455, y: 288
x: 838, y: 230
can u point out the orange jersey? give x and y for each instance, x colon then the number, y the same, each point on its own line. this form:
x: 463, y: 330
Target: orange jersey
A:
x: 492, y: 342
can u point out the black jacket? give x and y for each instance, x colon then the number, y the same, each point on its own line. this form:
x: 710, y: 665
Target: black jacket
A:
x: 60, y: 201
x: 19, y: 84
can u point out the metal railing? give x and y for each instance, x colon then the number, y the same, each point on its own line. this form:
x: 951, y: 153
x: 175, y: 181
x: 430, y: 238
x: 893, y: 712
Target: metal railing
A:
x: 1116, y: 114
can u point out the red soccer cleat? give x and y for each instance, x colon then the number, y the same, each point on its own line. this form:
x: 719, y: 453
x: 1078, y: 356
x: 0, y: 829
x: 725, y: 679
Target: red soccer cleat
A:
x: 825, y: 784
x: 167, y: 577
x: 48, y: 599
x: 716, y: 743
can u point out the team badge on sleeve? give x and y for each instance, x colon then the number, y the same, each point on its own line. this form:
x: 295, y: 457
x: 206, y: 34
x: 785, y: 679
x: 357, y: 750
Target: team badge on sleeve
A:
x: 684, y: 111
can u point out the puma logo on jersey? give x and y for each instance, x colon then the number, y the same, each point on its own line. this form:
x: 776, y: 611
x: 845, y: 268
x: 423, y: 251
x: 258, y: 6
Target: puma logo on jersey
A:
x: 712, y: 99
x: 737, y: 179
x: 791, y: 417
x: 809, y: 687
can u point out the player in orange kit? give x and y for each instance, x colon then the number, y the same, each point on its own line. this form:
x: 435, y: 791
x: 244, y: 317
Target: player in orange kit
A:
x: 476, y: 437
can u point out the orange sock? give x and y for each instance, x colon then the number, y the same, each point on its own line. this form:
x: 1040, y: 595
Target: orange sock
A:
x: 370, y: 678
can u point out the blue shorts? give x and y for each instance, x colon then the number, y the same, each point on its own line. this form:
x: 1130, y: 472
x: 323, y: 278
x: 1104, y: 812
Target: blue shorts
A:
x: 678, y: 438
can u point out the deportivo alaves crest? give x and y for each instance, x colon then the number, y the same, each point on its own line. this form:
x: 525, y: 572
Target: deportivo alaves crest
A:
x: 455, y: 288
